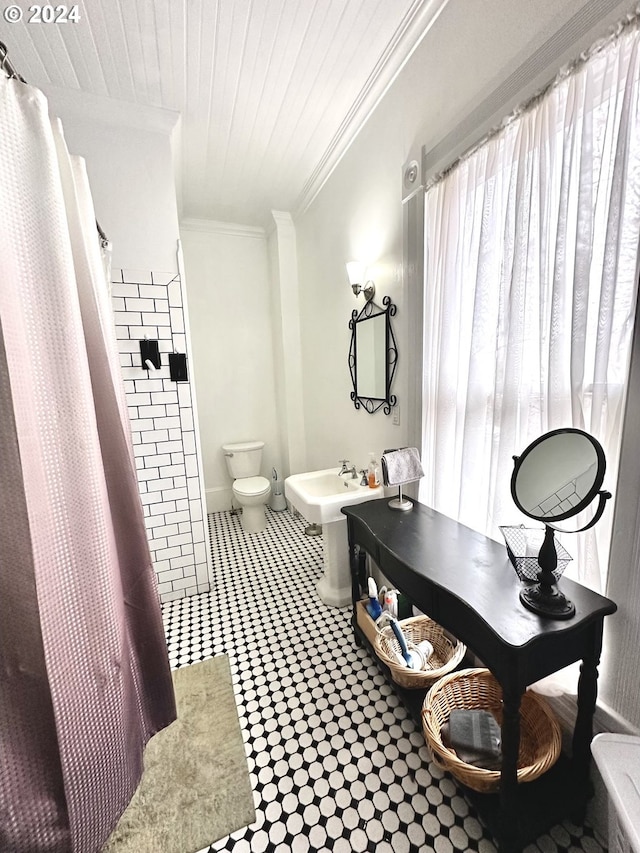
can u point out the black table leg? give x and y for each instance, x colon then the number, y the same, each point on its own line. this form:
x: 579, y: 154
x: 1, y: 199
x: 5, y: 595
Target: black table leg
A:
x: 355, y: 558
x: 583, y: 730
x: 508, y: 839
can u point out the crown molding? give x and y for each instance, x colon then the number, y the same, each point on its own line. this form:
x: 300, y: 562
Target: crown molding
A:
x: 413, y: 28
x: 109, y: 111
x: 177, y: 150
x: 282, y: 217
x: 226, y: 229
x: 279, y: 222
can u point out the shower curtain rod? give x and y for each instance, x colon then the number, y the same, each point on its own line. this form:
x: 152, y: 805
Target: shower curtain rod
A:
x: 7, y: 66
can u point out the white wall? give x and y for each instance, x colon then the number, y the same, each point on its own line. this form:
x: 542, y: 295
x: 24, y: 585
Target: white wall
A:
x: 353, y: 218
x: 287, y: 349
x: 129, y: 162
x: 229, y: 297
x: 127, y: 150
x: 163, y: 430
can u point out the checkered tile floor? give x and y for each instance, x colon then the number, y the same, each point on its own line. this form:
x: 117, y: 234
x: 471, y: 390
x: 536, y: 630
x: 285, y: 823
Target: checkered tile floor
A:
x: 336, y: 762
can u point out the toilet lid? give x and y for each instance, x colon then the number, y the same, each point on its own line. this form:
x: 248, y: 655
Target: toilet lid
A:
x: 251, y: 485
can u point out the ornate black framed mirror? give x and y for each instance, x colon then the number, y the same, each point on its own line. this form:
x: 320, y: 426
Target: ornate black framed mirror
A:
x: 557, y: 477
x: 373, y: 356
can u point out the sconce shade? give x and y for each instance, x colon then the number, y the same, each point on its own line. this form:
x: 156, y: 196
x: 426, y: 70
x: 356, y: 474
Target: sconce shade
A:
x: 357, y: 275
x: 355, y: 272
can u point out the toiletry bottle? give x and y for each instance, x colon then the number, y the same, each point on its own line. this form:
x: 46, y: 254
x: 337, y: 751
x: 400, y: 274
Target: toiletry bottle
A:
x: 373, y: 473
x: 390, y: 602
x: 373, y: 608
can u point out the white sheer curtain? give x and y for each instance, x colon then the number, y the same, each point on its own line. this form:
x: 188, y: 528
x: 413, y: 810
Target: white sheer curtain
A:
x: 531, y: 248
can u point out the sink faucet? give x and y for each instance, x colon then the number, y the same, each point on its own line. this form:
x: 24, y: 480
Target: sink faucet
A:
x: 346, y: 470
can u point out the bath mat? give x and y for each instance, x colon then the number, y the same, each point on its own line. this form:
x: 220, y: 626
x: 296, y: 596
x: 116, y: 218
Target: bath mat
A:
x: 195, y: 788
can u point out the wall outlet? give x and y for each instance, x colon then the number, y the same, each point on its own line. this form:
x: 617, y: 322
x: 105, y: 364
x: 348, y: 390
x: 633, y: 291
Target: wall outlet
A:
x: 396, y: 415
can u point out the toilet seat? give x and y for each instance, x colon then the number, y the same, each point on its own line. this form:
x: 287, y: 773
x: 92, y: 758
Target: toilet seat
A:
x: 251, y: 486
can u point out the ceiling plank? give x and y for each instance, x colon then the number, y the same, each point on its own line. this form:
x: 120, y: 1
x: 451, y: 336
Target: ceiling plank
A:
x: 262, y: 86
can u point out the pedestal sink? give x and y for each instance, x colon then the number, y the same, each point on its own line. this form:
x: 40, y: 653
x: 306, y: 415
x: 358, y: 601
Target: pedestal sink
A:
x: 318, y: 496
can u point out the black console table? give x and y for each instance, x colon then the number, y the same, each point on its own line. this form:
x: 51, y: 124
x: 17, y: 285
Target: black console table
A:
x: 464, y: 581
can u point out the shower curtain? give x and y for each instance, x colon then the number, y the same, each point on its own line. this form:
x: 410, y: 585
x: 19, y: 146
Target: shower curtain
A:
x: 84, y: 673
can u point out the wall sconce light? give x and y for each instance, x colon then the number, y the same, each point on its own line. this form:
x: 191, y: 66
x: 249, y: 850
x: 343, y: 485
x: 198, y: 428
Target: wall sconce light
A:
x: 356, y: 272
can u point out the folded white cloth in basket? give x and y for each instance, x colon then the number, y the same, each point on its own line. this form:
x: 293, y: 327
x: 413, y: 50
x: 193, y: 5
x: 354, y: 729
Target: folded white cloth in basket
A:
x: 401, y: 466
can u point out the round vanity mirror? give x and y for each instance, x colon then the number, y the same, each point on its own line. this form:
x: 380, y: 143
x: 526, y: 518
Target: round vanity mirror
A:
x: 557, y: 477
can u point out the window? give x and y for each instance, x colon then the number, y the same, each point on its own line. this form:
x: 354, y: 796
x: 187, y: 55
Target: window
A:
x: 531, y: 252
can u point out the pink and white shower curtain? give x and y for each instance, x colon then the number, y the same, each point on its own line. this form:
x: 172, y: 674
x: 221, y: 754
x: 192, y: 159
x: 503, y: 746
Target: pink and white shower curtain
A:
x: 84, y: 673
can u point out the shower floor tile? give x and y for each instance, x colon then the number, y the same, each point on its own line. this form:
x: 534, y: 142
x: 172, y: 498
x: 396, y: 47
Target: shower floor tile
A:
x: 336, y: 762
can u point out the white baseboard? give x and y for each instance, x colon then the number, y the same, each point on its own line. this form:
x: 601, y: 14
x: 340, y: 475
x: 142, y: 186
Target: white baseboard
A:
x: 608, y: 720
x: 219, y: 499
x: 605, y: 719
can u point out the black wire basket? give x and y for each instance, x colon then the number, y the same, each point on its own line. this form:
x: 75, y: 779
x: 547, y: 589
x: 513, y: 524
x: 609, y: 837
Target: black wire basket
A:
x: 523, y: 544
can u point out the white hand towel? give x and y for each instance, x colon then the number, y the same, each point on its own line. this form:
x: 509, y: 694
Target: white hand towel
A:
x: 401, y: 466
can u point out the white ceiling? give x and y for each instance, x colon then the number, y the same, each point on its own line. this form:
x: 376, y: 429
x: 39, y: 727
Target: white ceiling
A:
x: 270, y: 92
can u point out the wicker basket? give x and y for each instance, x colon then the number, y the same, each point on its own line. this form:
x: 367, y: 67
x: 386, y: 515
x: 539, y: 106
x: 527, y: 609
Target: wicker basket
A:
x: 365, y: 622
x: 523, y: 544
x: 540, y: 738
x: 447, y: 651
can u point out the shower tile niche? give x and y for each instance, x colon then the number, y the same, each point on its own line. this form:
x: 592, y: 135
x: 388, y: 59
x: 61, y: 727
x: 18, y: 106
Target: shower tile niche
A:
x: 165, y: 444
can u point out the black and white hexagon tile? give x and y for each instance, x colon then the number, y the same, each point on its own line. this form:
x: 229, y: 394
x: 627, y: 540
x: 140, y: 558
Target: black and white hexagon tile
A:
x: 336, y: 762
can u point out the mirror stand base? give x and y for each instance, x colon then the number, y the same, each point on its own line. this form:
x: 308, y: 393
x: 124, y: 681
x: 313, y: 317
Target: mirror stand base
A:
x: 547, y: 601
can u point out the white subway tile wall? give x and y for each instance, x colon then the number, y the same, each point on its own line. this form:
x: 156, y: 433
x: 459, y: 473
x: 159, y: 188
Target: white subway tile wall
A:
x: 149, y: 304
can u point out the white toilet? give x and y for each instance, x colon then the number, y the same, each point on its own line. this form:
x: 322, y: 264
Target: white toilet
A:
x: 250, y: 491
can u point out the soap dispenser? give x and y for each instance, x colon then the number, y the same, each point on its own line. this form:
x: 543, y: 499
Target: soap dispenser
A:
x: 373, y: 473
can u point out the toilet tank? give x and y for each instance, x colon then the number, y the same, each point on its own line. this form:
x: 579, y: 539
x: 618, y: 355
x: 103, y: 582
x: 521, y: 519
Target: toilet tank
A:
x: 244, y: 458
